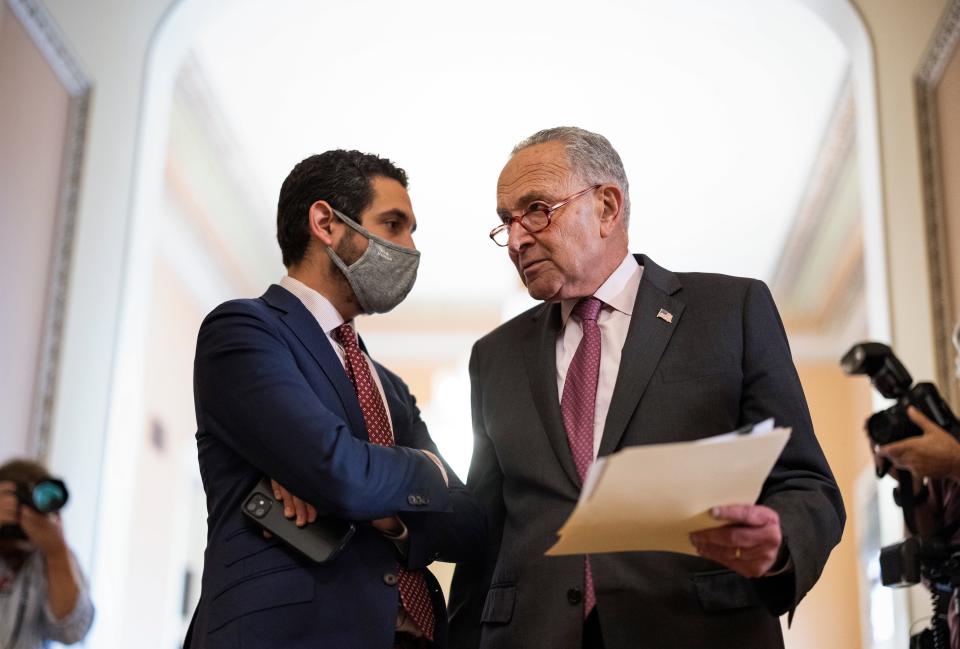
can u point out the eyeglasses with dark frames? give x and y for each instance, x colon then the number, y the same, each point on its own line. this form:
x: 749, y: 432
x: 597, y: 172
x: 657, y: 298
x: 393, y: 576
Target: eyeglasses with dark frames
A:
x: 536, y: 218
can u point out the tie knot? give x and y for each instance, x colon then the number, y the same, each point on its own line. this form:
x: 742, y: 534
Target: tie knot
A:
x: 588, y: 309
x: 345, y: 335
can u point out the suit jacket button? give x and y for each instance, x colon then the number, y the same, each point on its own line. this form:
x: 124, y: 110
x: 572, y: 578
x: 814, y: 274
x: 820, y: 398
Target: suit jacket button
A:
x: 574, y: 596
x: 390, y: 579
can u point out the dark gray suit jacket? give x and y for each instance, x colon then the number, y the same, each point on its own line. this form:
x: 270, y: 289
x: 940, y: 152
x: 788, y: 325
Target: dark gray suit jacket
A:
x: 723, y: 362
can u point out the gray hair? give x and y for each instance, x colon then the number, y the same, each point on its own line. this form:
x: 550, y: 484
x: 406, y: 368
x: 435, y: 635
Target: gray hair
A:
x: 590, y: 154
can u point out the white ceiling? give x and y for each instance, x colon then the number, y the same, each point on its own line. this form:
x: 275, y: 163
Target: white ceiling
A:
x: 717, y: 109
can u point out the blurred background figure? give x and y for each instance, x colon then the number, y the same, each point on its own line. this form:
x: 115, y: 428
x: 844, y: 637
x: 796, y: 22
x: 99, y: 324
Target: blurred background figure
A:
x: 43, y: 594
x: 930, y: 454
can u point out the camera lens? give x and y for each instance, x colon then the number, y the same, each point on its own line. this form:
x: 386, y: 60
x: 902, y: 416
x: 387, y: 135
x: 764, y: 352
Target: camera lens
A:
x: 48, y: 496
x: 258, y: 505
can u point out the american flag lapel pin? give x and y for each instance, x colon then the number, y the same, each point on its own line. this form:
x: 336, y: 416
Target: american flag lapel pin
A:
x: 665, y: 315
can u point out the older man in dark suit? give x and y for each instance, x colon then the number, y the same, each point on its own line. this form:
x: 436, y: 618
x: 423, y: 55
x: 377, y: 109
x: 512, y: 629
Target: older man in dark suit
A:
x: 624, y: 352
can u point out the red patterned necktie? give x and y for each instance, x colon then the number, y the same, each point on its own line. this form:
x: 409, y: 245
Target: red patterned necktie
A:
x: 414, y: 596
x: 578, y: 406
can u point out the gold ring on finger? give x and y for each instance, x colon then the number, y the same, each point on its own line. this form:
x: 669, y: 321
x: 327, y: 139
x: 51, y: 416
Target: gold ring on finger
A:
x: 736, y: 553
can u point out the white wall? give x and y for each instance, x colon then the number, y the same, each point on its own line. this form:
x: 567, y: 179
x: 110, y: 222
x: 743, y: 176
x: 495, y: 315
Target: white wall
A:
x: 131, y: 52
x: 110, y: 40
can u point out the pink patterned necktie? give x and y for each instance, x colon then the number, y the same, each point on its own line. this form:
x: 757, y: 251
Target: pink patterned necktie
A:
x: 578, y: 407
x: 414, y: 596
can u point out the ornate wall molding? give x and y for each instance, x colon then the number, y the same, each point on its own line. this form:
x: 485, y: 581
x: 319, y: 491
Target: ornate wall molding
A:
x: 49, y: 40
x: 942, y: 47
x: 817, y: 228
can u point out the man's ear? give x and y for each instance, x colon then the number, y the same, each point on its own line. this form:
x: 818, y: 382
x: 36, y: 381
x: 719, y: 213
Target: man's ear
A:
x: 321, y: 219
x: 611, y: 218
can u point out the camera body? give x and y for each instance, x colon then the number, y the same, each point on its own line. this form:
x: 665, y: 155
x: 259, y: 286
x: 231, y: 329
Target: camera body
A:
x: 46, y: 496
x: 900, y: 563
x: 915, y: 559
x: 893, y: 424
x: 893, y: 381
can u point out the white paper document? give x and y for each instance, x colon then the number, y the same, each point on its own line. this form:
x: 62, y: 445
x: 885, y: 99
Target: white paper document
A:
x: 652, y: 497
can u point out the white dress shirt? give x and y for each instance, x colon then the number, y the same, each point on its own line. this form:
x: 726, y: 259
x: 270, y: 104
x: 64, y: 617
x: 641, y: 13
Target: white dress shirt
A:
x: 618, y: 294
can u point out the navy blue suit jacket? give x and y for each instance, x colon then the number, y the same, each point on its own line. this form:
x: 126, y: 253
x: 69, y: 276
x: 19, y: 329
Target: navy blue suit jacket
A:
x: 272, y: 399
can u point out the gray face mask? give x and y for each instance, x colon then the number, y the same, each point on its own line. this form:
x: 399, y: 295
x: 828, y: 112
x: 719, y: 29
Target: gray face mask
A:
x: 383, y: 275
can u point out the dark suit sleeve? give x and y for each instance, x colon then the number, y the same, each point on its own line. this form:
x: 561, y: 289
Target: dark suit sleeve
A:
x: 801, y: 487
x: 251, y: 395
x: 456, y: 535
x: 471, y: 581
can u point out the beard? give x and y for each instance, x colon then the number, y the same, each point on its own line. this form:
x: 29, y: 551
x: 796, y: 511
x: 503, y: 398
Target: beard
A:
x: 349, y: 250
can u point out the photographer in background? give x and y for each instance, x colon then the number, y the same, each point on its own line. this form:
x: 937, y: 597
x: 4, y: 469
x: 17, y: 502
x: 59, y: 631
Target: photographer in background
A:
x: 934, y: 460
x: 43, y: 596
x: 933, y: 455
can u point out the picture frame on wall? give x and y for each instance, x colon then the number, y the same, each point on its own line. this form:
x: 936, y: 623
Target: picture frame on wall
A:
x: 937, y: 91
x: 42, y: 131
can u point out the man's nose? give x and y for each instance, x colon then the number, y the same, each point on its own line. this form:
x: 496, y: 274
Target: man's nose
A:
x: 407, y: 241
x: 519, y: 237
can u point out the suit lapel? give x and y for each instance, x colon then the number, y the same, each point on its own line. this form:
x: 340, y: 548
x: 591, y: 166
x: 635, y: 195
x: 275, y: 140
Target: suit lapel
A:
x: 398, y: 412
x: 647, y: 338
x: 540, y: 353
x: 305, y: 327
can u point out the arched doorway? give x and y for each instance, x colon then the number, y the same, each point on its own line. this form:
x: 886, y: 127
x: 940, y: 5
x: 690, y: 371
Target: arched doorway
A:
x: 140, y: 406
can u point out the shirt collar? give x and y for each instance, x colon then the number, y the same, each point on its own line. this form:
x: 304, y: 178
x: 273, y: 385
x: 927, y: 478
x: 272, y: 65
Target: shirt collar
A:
x: 320, y: 307
x: 618, y: 291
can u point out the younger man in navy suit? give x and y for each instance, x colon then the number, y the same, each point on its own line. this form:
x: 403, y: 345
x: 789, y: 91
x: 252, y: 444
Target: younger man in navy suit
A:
x: 284, y: 388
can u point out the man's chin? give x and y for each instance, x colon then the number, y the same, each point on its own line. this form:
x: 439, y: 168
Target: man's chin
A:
x: 547, y: 292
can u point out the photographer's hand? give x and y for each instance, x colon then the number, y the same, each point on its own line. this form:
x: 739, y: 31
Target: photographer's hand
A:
x: 8, y: 504
x: 934, y: 454
x: 45, y: 531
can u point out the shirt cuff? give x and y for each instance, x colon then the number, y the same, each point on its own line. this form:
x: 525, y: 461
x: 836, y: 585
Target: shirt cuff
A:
x: 784, y: 563
x: 436, y: 460
x: 400, y: 540
x: 73, y: 626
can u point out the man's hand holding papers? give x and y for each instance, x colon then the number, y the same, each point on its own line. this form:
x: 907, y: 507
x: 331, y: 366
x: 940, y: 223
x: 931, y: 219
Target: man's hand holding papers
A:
x: 666, y: 497
x: 749, y: 544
